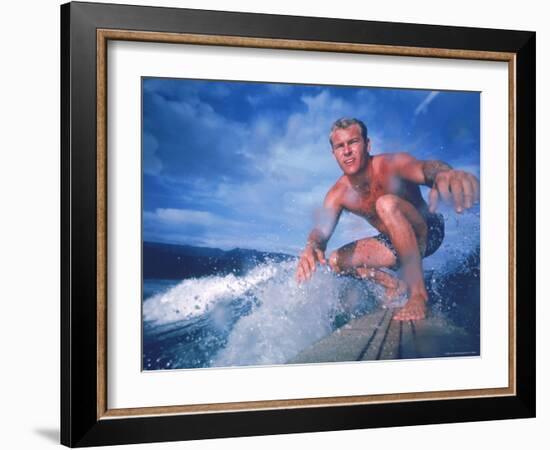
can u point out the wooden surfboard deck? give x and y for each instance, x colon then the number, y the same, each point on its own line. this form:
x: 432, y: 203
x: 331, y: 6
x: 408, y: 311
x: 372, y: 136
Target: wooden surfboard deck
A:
x: 376, y: 336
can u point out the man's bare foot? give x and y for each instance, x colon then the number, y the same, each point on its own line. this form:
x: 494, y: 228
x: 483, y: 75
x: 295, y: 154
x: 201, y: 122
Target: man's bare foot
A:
x: 415, y: 309
x: 395, y: 292
x: 394, y: 288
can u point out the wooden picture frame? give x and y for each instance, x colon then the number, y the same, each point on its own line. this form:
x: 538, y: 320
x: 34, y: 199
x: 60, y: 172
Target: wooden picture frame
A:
x: 86, y: 418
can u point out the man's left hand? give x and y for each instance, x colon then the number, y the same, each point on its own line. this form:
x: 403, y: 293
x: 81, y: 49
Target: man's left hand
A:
x: 462, y: 188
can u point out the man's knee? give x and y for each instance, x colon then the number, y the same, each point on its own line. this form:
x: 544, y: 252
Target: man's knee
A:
x: 387, y: 204
x: 333, y: 261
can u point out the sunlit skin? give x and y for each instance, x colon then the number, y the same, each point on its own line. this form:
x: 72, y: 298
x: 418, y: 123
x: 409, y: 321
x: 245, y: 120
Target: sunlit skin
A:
x: 384, y: 190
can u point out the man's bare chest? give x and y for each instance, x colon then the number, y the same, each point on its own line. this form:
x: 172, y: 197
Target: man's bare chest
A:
x: 363, y: 202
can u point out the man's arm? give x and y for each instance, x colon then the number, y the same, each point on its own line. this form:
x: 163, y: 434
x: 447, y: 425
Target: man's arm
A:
x: 314, y: 252
x: 462, y: 187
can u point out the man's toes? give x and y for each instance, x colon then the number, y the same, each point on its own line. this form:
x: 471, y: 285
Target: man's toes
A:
x: 410, y: 314
x: 401, y: 315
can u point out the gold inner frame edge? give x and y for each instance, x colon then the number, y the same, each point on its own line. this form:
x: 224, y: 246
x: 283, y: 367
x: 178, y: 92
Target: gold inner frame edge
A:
x: 103, y: 36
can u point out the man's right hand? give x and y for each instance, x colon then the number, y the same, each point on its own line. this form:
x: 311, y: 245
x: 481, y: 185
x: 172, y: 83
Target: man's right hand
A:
x: 308, y: 261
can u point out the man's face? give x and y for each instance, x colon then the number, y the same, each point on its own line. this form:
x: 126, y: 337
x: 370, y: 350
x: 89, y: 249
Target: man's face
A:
x: 350, y: 149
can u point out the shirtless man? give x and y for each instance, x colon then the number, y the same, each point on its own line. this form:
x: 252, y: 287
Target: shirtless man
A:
x: 384, y: 189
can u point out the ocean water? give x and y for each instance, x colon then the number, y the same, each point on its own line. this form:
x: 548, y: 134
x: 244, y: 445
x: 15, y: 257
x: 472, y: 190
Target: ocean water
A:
x: 261, y: 316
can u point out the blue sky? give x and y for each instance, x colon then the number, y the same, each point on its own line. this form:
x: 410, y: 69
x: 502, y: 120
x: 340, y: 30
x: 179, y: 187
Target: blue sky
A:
x: 239, y: 164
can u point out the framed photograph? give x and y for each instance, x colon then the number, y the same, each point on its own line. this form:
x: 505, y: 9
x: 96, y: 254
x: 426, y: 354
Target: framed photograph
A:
x: 278, y: 224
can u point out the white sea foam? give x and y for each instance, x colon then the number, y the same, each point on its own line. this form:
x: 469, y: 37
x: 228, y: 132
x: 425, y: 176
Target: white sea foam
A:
x: 290, y: 318
x: 285, y: 317
x: 196, y: 296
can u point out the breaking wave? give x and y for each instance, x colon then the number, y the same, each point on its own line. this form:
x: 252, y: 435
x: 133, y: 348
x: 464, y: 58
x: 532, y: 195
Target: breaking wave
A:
x: 264, y: 317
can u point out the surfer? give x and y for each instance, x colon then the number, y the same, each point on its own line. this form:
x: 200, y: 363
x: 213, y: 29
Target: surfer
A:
x: 384, y: 189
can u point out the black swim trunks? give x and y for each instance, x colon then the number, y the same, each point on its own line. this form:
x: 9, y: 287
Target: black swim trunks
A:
x: 436, y: 233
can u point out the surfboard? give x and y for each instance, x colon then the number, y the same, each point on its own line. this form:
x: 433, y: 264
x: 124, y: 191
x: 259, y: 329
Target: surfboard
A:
x: 376, y: 336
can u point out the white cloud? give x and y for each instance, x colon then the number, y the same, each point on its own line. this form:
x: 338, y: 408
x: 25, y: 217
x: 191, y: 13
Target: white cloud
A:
x: 302, y: 152
x: 152, y: 165
x: 220, y: 90
x: 254, y: 100
x: 279, y: 88
x: 187, y: 127
x: 172, y: 216
x: 276, y: 209
x: 298, y: 169
x: 271, y: 90
x: 180, y: 226
x: 423, y: 106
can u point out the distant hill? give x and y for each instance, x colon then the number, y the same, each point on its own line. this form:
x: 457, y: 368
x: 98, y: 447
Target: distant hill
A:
x: 170, y: 261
